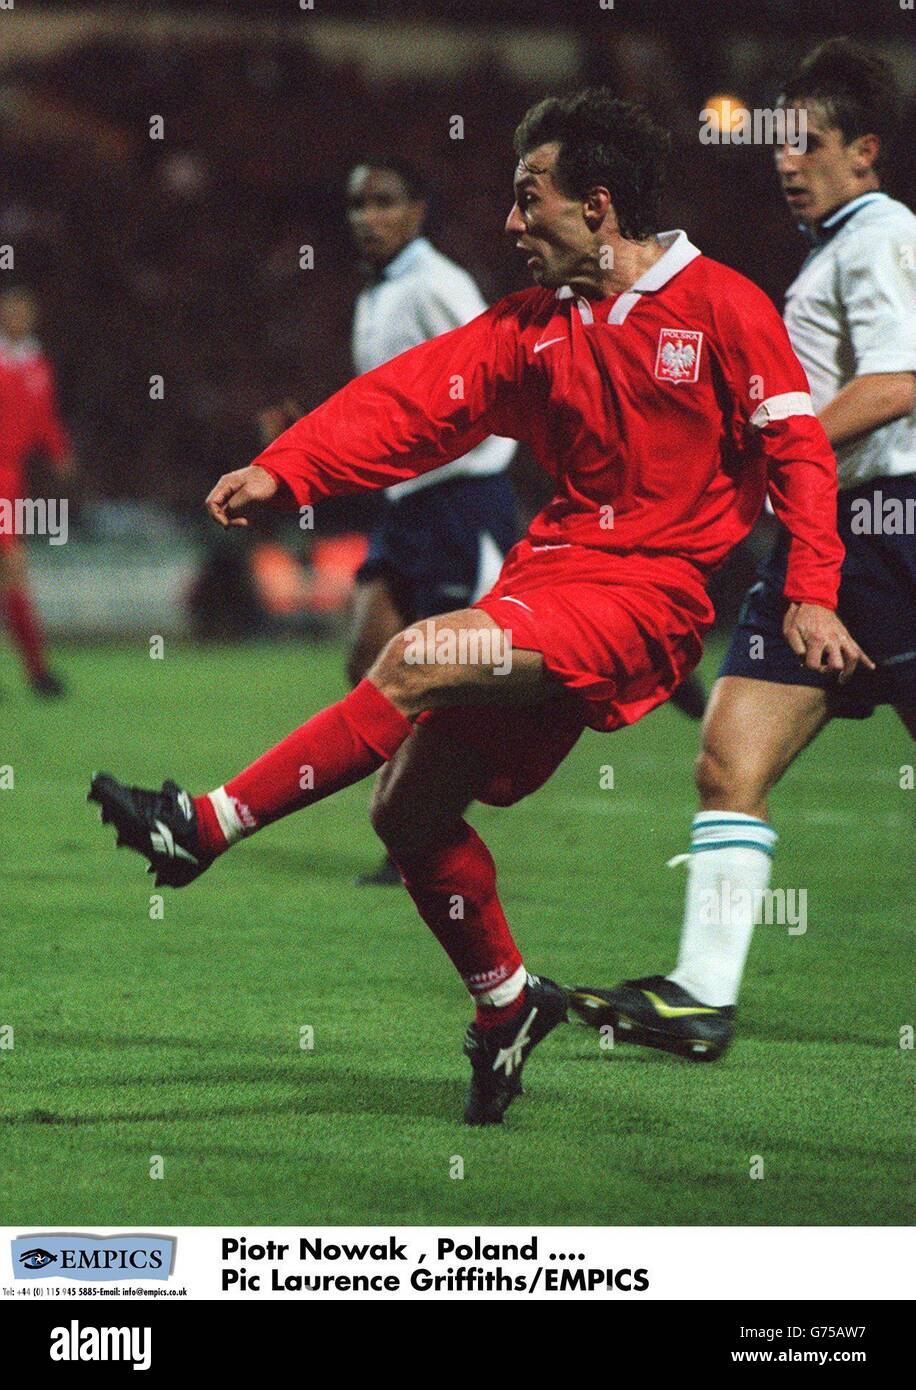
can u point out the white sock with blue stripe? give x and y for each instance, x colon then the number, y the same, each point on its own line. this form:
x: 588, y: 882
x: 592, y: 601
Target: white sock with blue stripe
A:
x: 730, y: 859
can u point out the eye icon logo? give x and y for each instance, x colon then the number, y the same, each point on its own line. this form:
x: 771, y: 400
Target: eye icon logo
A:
x: 37, y: 1258
x: 92, y: 1259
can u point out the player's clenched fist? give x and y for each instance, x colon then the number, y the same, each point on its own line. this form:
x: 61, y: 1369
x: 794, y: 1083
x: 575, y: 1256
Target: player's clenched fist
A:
x: 237, y: 492
x: 817, y: 635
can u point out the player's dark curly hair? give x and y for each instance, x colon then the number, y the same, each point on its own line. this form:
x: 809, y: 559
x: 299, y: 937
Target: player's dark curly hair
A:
x: 415, y: 185
x: 855, y: 87
x: 603, y: 141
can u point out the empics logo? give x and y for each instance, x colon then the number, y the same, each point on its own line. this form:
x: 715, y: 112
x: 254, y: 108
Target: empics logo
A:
x: 75, y: 1343
x: 93, y: 1259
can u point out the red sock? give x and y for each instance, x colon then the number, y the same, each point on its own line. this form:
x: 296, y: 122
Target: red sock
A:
x: 454, y: 888
x: 490, y: 1016
x: 336, y: 747
x: 25, y: 630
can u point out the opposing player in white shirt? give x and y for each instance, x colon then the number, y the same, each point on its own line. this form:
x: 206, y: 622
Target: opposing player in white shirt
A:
x: 851, y: 316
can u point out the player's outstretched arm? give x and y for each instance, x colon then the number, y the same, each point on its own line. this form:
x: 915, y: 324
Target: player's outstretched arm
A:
x: 415, y: 413
x: 236, y: 493
x: 818, y: 635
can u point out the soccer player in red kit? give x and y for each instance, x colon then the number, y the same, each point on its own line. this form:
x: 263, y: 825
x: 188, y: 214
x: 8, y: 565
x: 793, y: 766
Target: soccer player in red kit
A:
x: 29, y: 422
x: 660, y: 392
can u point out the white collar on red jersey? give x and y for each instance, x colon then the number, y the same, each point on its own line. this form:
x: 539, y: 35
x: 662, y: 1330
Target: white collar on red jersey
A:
x: 678, y: 252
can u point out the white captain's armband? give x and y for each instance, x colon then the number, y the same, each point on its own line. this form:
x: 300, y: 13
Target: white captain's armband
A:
x: 781, y: 407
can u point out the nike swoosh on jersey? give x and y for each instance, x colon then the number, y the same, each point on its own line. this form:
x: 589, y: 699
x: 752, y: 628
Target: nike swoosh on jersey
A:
x: 539, y: 347
x: 668, y: 1011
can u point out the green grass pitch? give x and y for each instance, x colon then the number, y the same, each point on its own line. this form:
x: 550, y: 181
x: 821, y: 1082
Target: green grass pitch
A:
x: 181, y: 1037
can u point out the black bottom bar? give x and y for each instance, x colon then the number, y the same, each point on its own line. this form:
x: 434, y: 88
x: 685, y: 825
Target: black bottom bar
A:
x: 656, y: 1339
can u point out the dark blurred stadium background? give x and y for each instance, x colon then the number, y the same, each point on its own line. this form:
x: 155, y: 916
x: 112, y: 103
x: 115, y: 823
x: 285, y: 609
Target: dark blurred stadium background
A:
x: 180, y: 256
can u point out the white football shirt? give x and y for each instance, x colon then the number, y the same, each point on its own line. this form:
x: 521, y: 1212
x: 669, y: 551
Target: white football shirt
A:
x: 419, y: 295
x: 851, y: 311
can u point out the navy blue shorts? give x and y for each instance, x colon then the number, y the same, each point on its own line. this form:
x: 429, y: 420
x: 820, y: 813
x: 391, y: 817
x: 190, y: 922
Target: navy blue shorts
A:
x: 877, y: 602
x: 440, y: 548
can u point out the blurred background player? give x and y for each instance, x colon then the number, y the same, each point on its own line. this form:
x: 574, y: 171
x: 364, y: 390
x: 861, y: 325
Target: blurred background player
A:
x: 29, y: 423
x: 851, y: 316
x: 442, y: 537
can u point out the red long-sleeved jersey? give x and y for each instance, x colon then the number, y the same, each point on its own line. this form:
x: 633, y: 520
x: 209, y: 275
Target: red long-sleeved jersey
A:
x: 663, y: 414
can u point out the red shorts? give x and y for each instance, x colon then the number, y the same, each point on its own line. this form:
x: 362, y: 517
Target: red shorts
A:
x: 620, y: 633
